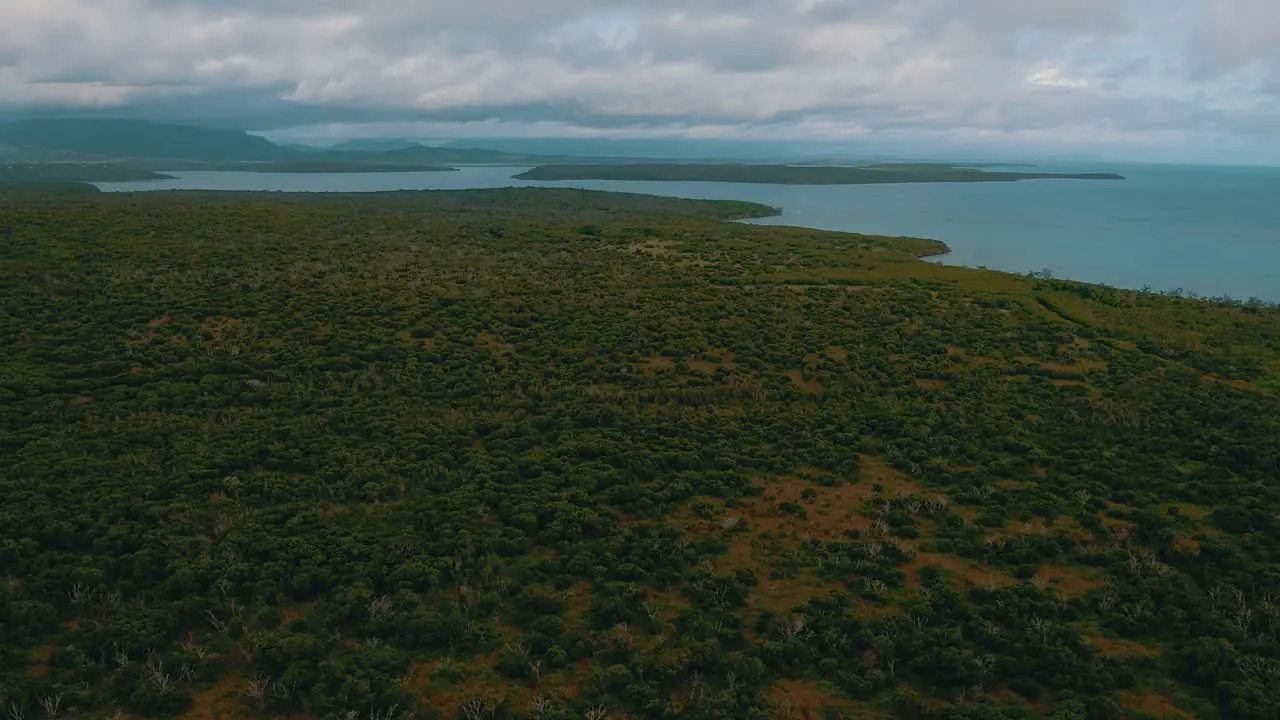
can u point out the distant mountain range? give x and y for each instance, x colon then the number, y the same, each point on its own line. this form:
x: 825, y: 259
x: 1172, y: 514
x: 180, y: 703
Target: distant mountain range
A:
x: 98, y: 149
x: 122, y: 139
x: 158, y: 146
x: 373, y: 145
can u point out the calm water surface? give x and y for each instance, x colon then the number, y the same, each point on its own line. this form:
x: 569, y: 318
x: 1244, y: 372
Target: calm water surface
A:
x: 1209, y: 230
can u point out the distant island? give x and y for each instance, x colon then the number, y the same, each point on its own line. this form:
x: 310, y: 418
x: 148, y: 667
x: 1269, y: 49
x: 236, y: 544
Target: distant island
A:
x: 795, y: 175
x: 333, y: 166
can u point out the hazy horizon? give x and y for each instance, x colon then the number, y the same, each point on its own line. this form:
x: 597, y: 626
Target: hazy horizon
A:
x: 1131, y: 80
x: 786, y: 149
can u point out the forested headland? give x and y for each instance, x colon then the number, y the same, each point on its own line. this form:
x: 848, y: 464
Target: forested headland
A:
x: 44, y: 173
x: 795, y: 174
x: 560, y: 454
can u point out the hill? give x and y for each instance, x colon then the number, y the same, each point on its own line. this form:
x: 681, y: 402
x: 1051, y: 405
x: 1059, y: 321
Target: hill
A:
x: 373, y: 145
x: 158, y: 146
x: 464, y: 156
x: 115, y: 139
x: 543, y: 453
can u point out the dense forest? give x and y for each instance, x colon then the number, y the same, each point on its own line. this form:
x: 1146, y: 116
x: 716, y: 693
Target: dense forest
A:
x: 559, y: 454
x: 795, y: 174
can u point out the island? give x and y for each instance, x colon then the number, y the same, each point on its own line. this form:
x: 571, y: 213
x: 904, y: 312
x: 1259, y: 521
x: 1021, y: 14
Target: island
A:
x: 795, y: 175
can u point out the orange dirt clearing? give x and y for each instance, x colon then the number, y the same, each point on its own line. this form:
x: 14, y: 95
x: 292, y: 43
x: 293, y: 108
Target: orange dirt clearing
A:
x: 1120, y: 648
x: 964, y: 573
x: 812, y: 387
x: 1153, y: 704
x: 803, y: 699
x: 1069, y: 580
x: 220, y: 701
x: 878, y: 472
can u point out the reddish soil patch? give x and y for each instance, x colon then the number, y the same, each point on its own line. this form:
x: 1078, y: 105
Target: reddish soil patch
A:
x: 931, y: 384
x: 1187, y: 545
x: 1120, y: 648
x: 1069, y: 580
x: 828, y: 511
x: 833, y: 353
x: 671, y: 603
x: 812, y: 387
x: 448, y: 698
x: 974, y: 360
x: 40, y: 658
x: 576, y: 675
x: 82, y: 400
x: 653, y: 247
x: 219, y: 327
x: 1152, y: 703
x: 139, y: 339
x: 781, y: 596
x: 295, y: 613
x: 1082, y: 365
x: 877, y: 472
x: 804, y: 700
x: 964, y: 573
x: 160, y: 321
x: 655, y: 364
x: 1195, y: 512
x: 1010, y: 697
x: 710, y: 367
x: 223, y: 700
x: 741, y: 554
x: 494, y: 344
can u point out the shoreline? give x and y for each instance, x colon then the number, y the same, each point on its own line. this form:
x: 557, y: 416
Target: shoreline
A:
x: 815, y: 175
x: 815, y: 214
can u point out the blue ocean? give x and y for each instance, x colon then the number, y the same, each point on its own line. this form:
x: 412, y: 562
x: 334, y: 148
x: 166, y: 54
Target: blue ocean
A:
x: 1207, y: 231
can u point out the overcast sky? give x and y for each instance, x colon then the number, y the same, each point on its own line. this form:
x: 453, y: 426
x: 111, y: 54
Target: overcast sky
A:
x: 1167, y: 78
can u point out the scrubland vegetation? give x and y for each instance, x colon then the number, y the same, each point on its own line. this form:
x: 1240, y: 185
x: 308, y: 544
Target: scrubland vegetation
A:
x: 561, y: 454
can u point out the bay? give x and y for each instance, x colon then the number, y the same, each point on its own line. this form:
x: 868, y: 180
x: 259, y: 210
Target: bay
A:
x: 1211, y: 231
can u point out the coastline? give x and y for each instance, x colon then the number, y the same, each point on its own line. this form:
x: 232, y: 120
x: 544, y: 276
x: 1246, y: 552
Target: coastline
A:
x: 1094, y: 233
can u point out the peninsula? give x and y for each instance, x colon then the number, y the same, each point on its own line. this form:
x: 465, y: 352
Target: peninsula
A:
x: 27, y: 173
x: 795, y: 175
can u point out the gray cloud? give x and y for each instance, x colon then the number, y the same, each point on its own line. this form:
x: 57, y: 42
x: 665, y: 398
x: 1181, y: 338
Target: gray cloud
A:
x: 1093, y: 71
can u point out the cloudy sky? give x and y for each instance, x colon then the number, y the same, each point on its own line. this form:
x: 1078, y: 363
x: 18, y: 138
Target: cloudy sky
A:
x: 1164, y: 78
